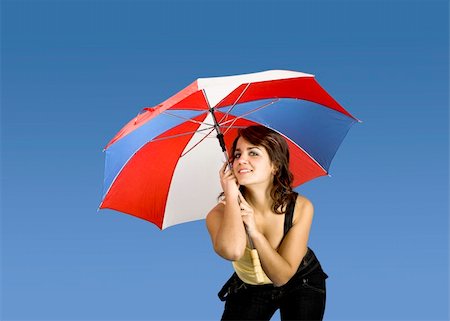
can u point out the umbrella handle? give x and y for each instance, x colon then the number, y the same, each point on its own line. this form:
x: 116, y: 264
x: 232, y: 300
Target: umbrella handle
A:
x: 257, y: 266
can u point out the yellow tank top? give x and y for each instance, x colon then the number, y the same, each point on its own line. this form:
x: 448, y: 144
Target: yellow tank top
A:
x: 245, y: 271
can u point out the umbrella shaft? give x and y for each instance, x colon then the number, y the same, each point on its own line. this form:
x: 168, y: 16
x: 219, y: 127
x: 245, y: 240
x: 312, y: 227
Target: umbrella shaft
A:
x: 219, y: 133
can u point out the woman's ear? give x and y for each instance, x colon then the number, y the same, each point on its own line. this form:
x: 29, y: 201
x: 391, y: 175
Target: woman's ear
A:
x: 274, y: 169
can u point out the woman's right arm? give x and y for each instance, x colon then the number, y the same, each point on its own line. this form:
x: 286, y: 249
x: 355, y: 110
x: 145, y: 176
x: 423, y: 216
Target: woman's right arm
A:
x: 224, y: 221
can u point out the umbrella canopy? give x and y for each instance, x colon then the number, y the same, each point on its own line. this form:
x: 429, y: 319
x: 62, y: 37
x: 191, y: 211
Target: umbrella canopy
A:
x: 163, y: 165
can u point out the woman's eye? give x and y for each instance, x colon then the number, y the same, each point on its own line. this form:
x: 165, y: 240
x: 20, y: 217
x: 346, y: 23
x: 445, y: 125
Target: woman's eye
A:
x: 253, y: 154
x: 237, y: 155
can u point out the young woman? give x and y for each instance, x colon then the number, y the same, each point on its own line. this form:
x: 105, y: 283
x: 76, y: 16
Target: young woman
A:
x: 259, y: 207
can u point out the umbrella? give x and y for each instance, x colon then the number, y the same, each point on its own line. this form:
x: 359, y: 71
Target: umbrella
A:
x: 162, y: 166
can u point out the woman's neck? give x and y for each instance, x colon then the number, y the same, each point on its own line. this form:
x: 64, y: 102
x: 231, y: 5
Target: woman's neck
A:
x: 259, y: 198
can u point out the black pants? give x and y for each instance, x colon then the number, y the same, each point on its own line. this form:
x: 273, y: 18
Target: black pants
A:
x: 302, y: 298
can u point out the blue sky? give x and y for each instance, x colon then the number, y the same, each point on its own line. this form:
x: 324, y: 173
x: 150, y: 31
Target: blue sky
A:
x: 74, y: 72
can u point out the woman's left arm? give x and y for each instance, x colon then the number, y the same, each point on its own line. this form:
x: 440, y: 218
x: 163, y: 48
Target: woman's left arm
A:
x: 281, y: 265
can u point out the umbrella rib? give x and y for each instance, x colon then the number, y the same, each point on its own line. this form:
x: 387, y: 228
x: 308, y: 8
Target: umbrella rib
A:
x: 187, y: 119
x: 206, y: 136
x: 247, y: 113
x: 234, y: 104
x: 181, y: 134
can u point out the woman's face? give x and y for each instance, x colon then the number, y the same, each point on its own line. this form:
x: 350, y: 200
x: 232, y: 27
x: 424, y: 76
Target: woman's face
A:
x: 252, y: 164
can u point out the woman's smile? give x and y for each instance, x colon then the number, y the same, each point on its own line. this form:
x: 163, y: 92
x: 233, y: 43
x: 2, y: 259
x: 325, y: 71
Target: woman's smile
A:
x: 244, y: 171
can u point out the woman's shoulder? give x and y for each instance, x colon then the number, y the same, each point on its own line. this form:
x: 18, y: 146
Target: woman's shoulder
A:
x: 302, y: 199
x: 218, y: 209
x: 303, y: 206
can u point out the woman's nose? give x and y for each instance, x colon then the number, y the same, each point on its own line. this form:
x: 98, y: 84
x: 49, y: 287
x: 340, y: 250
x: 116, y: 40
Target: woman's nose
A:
x: 242, y: 160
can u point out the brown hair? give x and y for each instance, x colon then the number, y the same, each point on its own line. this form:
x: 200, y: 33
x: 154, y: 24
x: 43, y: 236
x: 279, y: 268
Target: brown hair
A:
x: 278, y: 151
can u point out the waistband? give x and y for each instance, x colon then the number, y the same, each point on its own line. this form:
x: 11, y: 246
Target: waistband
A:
x: 309, y: 264
x: 308, y: 261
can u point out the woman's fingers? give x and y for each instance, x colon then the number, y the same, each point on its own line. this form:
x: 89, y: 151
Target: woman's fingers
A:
x: 244, y: 205
x: 224, y: 167
x: 243, y: 201
x: 228, y: 176
x: 226, y: 172
x: 228, y: 180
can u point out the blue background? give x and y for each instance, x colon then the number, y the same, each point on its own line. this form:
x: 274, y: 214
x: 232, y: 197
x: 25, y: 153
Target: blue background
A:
x: 74, y: 72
